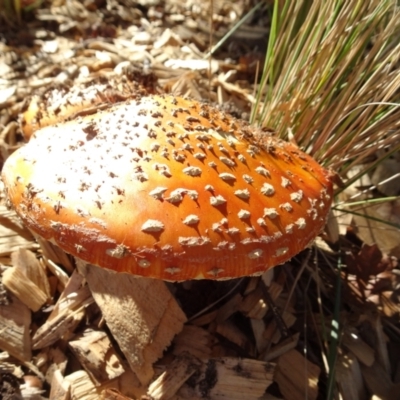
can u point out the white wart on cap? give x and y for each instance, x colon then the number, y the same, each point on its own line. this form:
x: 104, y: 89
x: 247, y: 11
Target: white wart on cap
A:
x: 169, y: 188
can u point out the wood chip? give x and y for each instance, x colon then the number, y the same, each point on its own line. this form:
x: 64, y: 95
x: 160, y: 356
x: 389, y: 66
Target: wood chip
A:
x: 81, y: 386
x: 297, y: 377
x: 55, y: 254
x: 272, y: 332
x: 194, y: 340
x: 59, y: 387
x: 15, y: 321
x: 178, y: 372
x: 382, y: 353
x: 58, y: 272
x: 113, y: 394
x: 13, y: 235
x: 168, y: 38
x: 6, y: 94
x: 283, y: 347
x: 67, y: 313
x: 141, y: 313
x: 358, y: 347
x: 193, y: 65
x: 97, y: 356
x: 56, y: 362
x: 205, y: 319
x: 254, y: 282
x: 127, y: 383
x: 231, y: 331
x: 229, y: 308
x: 378, y: 381
x: 34, y: 271
x: 258, y: 327
x: 233, y: 379
x: 19, y: 284
x: 254, y: 303
x: 349, y: 378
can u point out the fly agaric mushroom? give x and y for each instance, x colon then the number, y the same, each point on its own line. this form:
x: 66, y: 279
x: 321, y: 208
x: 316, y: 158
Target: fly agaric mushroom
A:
x: 169, y: 188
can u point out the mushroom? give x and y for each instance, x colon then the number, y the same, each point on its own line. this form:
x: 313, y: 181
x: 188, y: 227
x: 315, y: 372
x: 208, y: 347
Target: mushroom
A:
x: 168, y: 188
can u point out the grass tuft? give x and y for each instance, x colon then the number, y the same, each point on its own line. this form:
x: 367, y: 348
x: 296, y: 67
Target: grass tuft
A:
x: 331, y: 79
x: 331, y: 83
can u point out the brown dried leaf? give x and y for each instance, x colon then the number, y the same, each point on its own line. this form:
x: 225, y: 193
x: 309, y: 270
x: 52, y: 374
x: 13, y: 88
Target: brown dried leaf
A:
x: 367, y: 262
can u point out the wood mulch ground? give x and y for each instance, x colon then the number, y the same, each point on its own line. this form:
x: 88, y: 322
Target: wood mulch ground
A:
x: 93, y: 334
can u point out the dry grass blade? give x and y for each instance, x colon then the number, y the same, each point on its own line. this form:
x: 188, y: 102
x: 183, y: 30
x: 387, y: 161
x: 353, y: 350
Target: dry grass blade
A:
x: 331, y: 79
x: 12, y: 9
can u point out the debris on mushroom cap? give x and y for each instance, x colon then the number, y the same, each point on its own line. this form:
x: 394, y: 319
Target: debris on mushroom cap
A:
x: 99, y: 188
x: 57, y: 104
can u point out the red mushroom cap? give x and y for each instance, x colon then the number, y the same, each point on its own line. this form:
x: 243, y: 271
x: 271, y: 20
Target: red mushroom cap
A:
x: 169, y: 188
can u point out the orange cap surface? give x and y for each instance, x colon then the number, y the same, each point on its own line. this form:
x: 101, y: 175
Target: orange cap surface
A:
x: 169, y: 188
